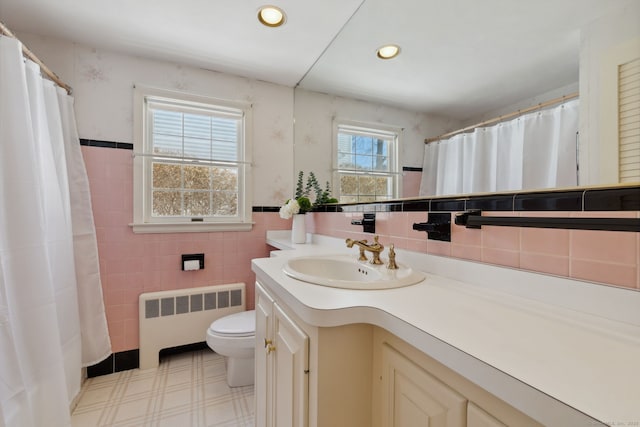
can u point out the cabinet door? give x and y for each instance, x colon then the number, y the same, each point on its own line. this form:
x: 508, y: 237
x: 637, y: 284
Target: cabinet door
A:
x: 263, y: 380
x: 477, y: 417
x: 412, y: 397
x: 291, y: 372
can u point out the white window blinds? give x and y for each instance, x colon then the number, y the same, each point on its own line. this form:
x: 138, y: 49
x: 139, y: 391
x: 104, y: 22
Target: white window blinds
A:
x: 191, y: 133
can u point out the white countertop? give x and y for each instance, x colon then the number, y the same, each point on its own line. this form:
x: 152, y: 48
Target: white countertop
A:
x: 561, y: 351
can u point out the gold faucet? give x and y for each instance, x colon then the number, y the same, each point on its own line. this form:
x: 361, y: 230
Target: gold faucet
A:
x: 375, y: 248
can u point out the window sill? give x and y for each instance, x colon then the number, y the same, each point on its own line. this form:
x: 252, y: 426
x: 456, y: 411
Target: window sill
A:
x: 191, y: 227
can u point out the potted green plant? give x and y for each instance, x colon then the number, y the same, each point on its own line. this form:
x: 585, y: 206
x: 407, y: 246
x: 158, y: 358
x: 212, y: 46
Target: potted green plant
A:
x: 301, y: 204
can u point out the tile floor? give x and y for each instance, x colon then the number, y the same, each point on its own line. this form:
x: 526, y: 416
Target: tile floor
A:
x: 187, y: 389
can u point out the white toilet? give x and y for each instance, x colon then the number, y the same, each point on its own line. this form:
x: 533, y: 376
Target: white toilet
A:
x: 233, y: 337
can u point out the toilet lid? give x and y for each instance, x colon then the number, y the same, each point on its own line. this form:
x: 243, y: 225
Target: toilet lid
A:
x: 239, y: 324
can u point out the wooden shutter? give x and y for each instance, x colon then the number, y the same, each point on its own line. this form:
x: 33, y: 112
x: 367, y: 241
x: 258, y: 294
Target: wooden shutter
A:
x: 629, y: 120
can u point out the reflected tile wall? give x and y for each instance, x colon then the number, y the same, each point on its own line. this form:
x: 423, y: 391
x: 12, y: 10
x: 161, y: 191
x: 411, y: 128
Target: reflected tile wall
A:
x: 411, y: 178
x: 608, y: 257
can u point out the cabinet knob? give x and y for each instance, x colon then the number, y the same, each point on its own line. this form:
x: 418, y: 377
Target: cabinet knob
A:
x: 267, y: 342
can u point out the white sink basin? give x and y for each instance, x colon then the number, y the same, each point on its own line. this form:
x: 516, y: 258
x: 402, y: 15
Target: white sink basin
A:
x: 345, y: 271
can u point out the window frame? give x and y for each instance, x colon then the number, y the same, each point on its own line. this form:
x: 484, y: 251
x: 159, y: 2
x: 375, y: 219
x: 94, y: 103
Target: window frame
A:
x: 394, y: 133
x: 143, y: 221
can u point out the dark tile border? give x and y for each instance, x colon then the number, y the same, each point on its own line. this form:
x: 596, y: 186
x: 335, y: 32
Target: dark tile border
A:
x: 330, y: 208
x: 619, y: 199
x: 106, y: 144
x: 556, y: 201
x: 105, y: 367
x: 395, y: 207
x: 447, y: 205
x: 416, y: 205
x: 125, y: 360
x: 182, y: 349
x: 266, y: 209
x: 116, y: 362
x: 130, y: 359
x: 601, y: 199
x: 491, y: 203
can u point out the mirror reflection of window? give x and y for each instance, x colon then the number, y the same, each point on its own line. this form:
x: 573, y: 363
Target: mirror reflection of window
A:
x: 365, y: 164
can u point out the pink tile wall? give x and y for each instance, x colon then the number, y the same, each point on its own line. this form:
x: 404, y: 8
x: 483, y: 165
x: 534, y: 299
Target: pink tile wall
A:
x: 131, y: 264
x: 411, y: 183
x: 609, y: 257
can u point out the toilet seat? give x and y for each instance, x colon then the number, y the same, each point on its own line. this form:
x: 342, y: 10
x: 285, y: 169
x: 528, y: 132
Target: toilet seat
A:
x: 239, y: 325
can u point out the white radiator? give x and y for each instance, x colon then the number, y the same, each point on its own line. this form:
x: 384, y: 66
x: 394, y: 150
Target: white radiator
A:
x: 180, y: 317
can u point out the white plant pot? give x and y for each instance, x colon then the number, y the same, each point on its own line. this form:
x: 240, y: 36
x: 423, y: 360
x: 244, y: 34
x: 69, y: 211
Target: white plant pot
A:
x: 299, y: 229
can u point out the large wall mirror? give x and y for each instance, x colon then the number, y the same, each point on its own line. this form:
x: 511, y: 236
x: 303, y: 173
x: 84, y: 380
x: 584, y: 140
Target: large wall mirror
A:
x: 463, y: 62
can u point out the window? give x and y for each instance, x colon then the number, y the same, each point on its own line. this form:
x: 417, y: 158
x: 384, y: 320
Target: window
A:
x: 366, y: 163
x: 191, y: 163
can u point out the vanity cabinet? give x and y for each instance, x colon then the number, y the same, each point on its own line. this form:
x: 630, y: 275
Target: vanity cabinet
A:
x: 308, y: 376
x: 412, y: 397
x: 282, y: 366
x: 358, y: 375
x: 412, y: 389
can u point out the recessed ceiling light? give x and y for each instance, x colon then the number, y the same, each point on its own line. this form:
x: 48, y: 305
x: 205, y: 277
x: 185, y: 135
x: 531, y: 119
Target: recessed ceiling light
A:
x: 388, y: 51
x: 271, y: 16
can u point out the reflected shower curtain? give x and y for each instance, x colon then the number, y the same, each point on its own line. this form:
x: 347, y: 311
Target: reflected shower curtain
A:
x: 534, y: 151
x: 48, y: 264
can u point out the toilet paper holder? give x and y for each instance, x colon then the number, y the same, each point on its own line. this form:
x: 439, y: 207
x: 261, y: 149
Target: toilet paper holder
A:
x: 192, y: 257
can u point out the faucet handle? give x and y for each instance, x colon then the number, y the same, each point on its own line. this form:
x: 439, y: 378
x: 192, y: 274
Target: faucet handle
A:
x: 392, y: 258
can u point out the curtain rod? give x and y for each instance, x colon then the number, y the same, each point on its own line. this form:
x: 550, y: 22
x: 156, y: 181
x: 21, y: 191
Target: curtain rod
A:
x: 26, y: 52
x: 504, y: 117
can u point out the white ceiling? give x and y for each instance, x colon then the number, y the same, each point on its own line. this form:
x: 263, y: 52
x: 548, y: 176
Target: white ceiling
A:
x: 459, y: 57
x: 221, y: 35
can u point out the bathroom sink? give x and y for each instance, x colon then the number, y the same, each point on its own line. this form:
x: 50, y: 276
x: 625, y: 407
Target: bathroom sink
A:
x: 345, y: 271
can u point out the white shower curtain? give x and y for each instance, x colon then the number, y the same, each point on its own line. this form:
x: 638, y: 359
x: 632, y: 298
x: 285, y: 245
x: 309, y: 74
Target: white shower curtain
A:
x: 536, y: 150
x: 52, y: 318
